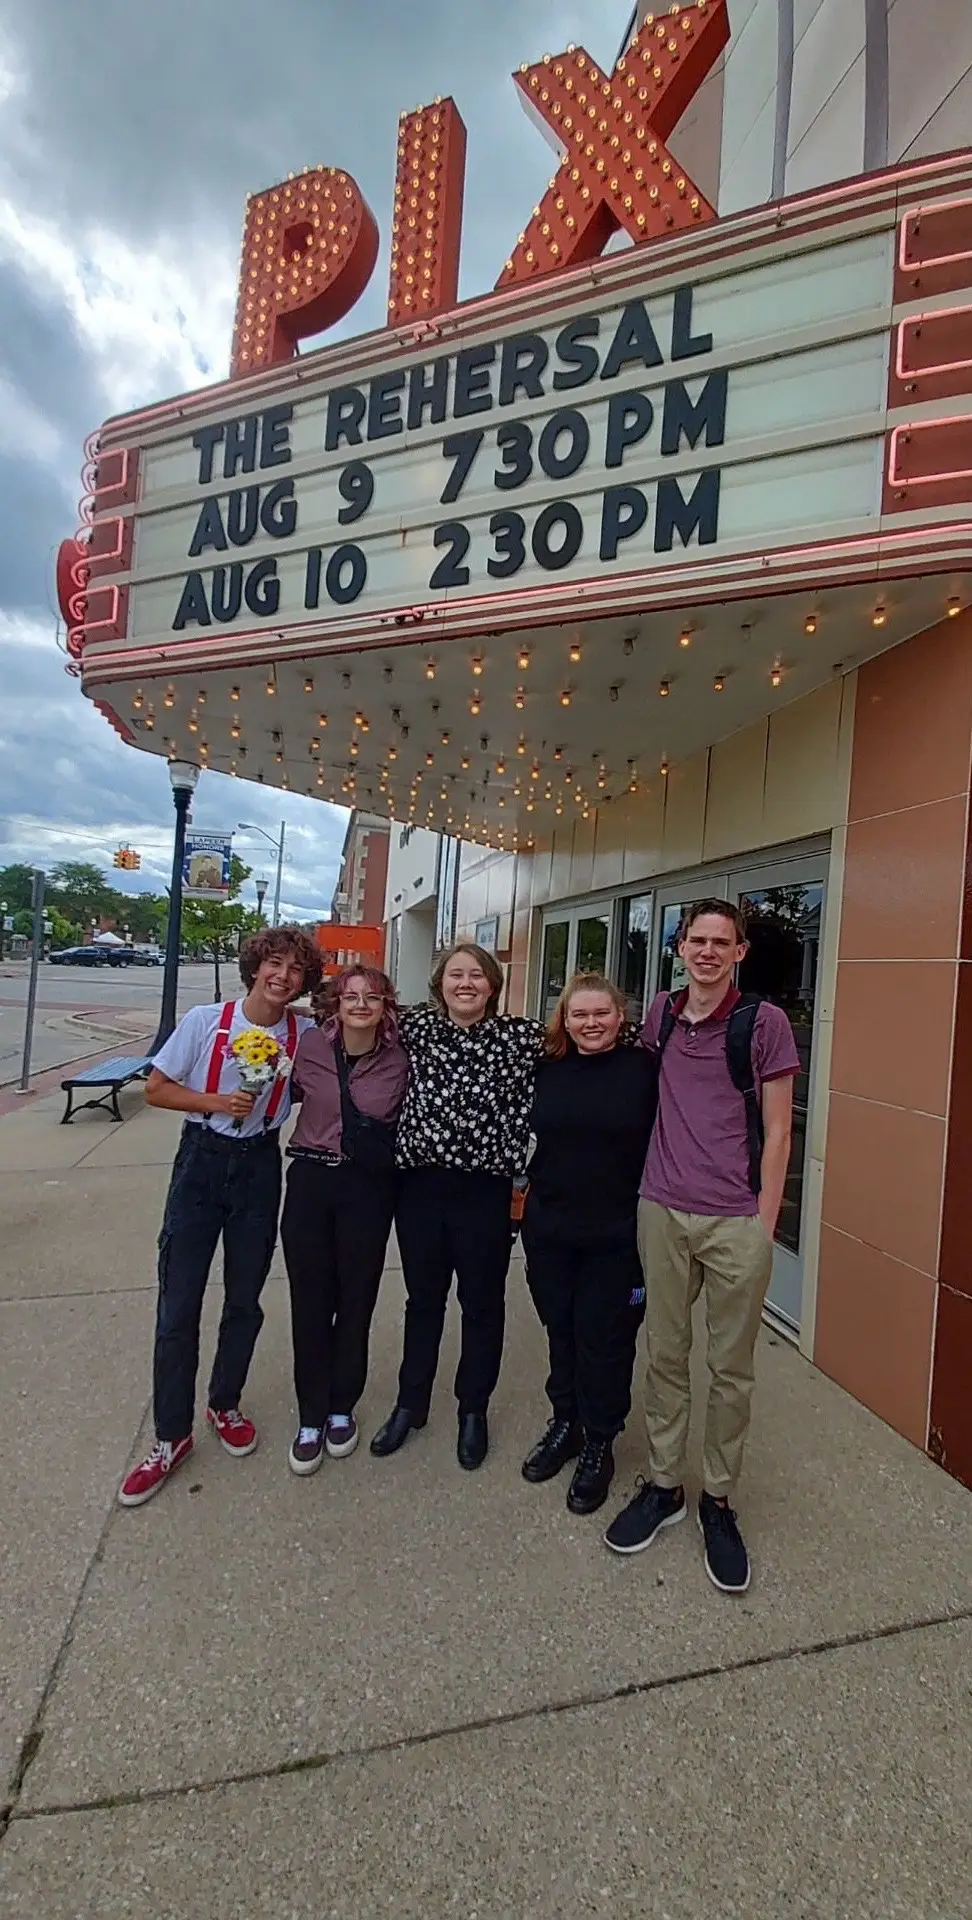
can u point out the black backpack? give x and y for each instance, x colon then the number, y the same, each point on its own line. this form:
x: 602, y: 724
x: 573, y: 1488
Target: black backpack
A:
x: 739, y: 1060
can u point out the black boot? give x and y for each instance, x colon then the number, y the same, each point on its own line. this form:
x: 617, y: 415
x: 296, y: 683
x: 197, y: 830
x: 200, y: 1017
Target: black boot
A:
x: 562, y: 1441
x: 473, y: 1444
x: 590, y: 1486
x: 395, y: 1431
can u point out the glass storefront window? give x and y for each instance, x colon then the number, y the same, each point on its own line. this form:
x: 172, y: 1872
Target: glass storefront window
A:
x: 783, y: 928
x: 553, y: 977
x: 635, y: 953
x: 671, y: 972
x: 592, y: 943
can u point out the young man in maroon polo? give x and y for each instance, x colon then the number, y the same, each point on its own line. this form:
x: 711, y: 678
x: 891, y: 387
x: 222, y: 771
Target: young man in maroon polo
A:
x: 709, y: 1203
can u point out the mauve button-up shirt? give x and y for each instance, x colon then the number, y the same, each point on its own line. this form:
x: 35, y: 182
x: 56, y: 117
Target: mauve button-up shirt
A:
x: 377, y: 1082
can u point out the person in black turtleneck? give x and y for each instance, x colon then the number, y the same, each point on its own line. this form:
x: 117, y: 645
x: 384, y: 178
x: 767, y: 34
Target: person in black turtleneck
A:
x: 592, y: 1117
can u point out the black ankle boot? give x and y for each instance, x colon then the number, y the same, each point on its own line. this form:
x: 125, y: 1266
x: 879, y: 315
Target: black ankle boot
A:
x: 562, y: 1441
x: 590, y: 1486
x: 473, y: 1442
x: 395, y: 1431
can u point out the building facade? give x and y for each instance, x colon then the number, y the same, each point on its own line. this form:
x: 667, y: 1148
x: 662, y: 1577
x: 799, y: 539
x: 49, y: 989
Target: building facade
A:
x: 645, y: 575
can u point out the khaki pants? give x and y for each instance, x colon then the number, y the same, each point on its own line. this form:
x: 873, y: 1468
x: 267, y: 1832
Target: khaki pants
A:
x: 732, y: 1259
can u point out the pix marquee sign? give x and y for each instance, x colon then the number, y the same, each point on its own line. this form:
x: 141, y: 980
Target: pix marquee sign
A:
x: 781, y: 396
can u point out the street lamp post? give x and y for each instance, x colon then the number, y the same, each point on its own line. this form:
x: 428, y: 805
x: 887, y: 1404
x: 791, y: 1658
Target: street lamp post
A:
x: 261, y: 893
x: 249, y: 826
x: 183, y: 776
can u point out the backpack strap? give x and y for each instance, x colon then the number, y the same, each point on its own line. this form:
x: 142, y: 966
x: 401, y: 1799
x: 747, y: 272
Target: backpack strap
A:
x: 218, y: 1054
x: 666, y: 1026
x: 739, y: 1060
x: 277, y: 1091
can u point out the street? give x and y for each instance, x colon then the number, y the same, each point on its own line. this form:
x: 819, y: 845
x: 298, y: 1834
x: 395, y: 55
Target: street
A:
x: 82, y: 1010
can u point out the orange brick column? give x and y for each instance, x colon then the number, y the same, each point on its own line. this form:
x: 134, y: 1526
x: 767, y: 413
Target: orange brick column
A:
x: 894, y: 1298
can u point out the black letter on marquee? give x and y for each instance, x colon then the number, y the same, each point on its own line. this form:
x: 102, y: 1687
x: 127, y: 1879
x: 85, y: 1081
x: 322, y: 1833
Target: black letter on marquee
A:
x: 242, y: 514
x: 346, y: 408
x: 206, y: 440
x: 461, y: 448
x: 227, y: 591
x: 428, y: 392
x: 209, y: 530
x: 240, y: 452
x: 472, y: 393
x: 684, y: 347
x: 522, y: 368
x: 385, y: 405
x: 674, y: 514
x: 634, y: 340
x: 346, y: 556
x: 581, y: 360
x: 624, y: 513
x: 263, y: 589
x: 312, y: 578
x: 275, y: 435
x: 193, y: 605
x: 560, y: 513
x: 560, y: 466
x: 708, y: 411
x: 278, y: 514
x: 630, y: 417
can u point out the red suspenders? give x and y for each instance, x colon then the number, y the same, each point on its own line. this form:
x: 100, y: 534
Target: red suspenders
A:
x: 218, y: 1055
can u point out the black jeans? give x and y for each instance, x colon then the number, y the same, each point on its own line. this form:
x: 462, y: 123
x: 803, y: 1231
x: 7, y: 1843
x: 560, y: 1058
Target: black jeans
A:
x: 335, y: 1227
x: 591, y: 1300
x: 453, y: 1223
x: 219, y: 1186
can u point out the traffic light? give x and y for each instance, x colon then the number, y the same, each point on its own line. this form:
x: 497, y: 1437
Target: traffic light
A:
x: 128, y: 858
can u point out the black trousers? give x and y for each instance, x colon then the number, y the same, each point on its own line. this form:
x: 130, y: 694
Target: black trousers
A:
x: 219, y: 1186
x: 335, y: 1227
x: 453, y: 1223
x: 591, y: 1300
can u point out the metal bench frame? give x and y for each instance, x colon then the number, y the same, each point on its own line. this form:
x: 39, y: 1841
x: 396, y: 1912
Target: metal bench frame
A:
x: 101, y: 1076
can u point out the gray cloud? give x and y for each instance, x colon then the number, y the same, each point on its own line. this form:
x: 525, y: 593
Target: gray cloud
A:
x: 131, y: 135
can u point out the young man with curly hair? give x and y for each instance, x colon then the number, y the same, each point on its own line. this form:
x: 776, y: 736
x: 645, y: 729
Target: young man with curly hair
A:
x: 225, y: 1183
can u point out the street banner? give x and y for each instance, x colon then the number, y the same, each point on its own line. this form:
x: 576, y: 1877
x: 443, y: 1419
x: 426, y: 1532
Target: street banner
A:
x: 206, y: 866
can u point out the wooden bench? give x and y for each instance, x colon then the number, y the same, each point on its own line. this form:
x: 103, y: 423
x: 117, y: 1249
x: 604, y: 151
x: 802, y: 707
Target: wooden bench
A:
x: 112, y: 1075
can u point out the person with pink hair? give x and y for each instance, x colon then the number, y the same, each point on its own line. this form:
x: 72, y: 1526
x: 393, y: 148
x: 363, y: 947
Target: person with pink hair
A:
x: 349, y: 1076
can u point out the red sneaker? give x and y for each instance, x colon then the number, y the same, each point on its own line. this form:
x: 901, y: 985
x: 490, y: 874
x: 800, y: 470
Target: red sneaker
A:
x: 237, y: 1434
x: 152, y: 1472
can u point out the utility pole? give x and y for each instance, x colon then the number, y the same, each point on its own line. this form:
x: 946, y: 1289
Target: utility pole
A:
x: 37, y: 903
x: 276, y: 892
x: 183, y: 776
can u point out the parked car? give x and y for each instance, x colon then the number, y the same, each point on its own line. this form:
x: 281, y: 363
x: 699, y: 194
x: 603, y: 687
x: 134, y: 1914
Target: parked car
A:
x: 79, y: 957
x: 134, y: 957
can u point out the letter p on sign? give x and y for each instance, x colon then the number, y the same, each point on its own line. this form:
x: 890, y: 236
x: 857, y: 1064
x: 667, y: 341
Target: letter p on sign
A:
x: 309, y: 250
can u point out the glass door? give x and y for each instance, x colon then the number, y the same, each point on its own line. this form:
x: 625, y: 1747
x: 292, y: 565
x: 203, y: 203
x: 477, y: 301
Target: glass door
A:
x: 575, y: 940
x: 635, y: 953
x: 784, y: 910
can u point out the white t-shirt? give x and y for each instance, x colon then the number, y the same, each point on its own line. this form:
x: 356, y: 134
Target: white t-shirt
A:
x: 185, y: 1057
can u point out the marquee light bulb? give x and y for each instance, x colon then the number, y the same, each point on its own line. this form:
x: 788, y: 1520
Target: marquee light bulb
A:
x: 776, y: 677
x: 810, y: 624
x: 664, y: 689
x: 566, y: 697
x: 954, y: 606
x: 523, y: 659
x: 308, y: 685
x: 475, y: 704
x: 430, y: 670
x: 271, y: 684
x: 519, y: 699
x: 138, y: 700
x: 168, y: 699
x: 234, y: 693
x: 685, y: 637
x: 718, y: 684
x: 879, y: 617
x: 574, y: 652
x: 477, y: 665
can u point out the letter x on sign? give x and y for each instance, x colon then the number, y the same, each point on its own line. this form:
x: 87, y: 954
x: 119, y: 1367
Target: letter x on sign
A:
x: 617, y: 171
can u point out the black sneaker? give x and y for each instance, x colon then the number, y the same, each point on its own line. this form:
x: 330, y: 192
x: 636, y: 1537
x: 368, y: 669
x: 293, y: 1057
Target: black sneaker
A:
x: 726, y: 1559
x: 591, y: 1483
x: 651, y: 1509
x: 561, y: 1442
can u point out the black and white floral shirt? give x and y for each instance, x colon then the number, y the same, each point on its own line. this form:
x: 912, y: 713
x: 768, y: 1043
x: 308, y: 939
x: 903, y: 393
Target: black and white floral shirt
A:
x: 470, y: 1091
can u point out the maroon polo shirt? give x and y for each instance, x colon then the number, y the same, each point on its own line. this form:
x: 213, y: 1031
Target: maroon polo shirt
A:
x: 698, y: 1159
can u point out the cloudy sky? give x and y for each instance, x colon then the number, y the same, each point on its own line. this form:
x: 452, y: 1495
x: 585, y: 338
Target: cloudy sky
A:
x: 130, y: 133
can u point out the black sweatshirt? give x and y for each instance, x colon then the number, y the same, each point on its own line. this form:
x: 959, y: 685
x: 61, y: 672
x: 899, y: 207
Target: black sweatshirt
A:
x: 592, y: 1117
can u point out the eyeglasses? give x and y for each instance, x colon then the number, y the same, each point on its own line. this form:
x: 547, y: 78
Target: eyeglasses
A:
x: 357, y: 1001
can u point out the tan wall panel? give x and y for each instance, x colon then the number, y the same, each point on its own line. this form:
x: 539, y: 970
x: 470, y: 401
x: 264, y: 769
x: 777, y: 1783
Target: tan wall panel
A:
x: 802, y: 789
x: 829, y: 48
x: 611, y: 828
x: 644, y: 831
x: 560, y: 868
x: 685, y: 813
x: 734, y: 801
x: 582, y: 856
x: 948, y: 129
x: 538, y: 865
x: 921, y: 33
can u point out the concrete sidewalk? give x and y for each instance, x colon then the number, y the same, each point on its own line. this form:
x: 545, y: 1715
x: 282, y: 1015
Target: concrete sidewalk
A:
x: 395, y: 1689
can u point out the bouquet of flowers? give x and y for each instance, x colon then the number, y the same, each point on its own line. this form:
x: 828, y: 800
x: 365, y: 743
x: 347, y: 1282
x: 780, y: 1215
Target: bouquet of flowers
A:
x: 260, y: 1060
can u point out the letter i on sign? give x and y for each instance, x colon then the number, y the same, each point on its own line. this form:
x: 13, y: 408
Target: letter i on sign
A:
x: 427, y: 225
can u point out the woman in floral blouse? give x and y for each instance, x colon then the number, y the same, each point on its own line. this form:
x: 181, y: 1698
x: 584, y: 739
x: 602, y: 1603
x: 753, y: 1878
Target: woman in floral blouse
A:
x: 462, y: 1136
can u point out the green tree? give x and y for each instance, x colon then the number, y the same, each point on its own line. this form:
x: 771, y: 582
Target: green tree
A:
x: 81, y: 891
x: 146, y: 916
x: 16, y: 887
